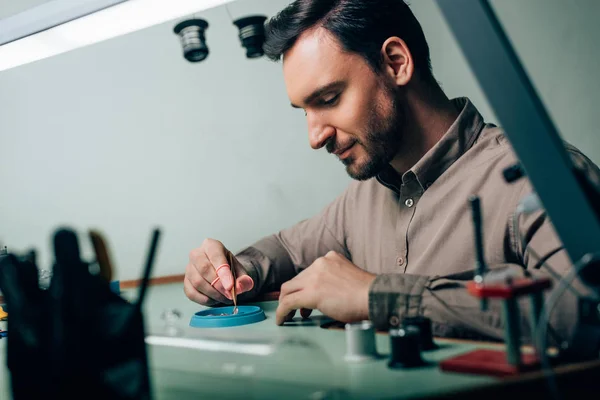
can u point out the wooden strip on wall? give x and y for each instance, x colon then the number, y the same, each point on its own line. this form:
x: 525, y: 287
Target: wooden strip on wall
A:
x: 161, y: 280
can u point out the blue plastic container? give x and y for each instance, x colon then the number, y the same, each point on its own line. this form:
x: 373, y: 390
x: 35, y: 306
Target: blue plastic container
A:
x: 213, y: 318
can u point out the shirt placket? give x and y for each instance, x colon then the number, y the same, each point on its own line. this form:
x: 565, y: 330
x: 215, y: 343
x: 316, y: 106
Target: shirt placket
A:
x: 410, y: 193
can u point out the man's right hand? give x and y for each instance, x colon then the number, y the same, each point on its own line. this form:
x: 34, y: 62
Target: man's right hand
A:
x: 208, y: 279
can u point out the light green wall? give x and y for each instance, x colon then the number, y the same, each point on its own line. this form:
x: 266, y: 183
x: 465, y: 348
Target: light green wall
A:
x: 125, y: 134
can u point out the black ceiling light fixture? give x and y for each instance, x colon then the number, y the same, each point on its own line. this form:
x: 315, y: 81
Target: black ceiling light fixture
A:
x: 252, y: 34
x: 193, y: 40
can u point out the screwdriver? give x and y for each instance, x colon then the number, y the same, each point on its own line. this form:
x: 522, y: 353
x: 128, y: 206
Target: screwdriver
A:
x: 233, y: 293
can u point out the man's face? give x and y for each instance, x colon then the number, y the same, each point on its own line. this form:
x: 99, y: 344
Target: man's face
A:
x: 351, y: 111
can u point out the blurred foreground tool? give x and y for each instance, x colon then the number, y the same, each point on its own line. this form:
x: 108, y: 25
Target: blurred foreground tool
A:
x: 77, y: 330
x: 102, y: 257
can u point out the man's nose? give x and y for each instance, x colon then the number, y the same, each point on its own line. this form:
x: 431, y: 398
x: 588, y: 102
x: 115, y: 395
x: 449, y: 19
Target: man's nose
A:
x: 318, y: 133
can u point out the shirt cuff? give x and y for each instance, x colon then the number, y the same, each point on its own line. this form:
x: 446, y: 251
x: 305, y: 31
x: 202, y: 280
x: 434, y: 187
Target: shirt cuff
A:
x: 394, y: 296
x: 250, y: 258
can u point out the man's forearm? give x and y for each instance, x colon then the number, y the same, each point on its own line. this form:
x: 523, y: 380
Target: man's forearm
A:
x: 268, y: 263
x: 453, y: 311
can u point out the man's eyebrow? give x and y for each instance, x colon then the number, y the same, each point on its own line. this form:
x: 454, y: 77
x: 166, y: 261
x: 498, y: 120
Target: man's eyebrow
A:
x: 319, y: 92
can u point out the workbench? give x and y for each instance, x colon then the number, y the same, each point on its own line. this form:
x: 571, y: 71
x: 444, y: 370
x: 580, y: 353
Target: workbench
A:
x: 299, y: 360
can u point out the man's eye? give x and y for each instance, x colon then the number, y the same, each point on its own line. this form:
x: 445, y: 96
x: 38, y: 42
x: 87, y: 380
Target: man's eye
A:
x: 330, y: 101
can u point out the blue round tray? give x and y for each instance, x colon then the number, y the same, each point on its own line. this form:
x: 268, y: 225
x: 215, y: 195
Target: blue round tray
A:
x: 212, y: 318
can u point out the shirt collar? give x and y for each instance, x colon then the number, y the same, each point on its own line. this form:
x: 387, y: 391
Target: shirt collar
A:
x: 459, y: 138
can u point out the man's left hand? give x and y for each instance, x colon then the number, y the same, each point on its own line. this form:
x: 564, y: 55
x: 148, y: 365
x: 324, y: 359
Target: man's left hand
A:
x: 333, y: 285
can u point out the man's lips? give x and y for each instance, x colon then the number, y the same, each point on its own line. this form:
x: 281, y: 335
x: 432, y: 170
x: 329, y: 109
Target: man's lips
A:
x: 341, y: 151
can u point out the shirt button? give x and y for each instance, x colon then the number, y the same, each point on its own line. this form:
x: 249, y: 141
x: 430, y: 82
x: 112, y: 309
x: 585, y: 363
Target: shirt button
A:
x: 400, y: 260
x: 409, y: 203
x: 394, y: 320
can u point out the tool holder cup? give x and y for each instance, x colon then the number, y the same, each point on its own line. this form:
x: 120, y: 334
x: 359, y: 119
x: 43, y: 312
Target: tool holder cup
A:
x: 76, y: 333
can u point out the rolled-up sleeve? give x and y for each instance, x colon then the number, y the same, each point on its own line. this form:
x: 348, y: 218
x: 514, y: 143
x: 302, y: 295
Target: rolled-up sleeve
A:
x: 277, y: 258
x: 393, y: 296
x: 453, y: 311
x: 443, y: 299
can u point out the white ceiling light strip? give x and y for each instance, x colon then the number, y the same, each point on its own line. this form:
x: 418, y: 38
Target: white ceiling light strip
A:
x: 116, y: 20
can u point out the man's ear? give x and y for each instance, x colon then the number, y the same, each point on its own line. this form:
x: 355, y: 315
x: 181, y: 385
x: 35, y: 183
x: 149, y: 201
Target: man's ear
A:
x: 397, y: 60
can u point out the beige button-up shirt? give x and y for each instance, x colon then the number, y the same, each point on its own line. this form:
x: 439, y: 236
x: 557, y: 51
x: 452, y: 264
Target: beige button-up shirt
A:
x: 415, y: 232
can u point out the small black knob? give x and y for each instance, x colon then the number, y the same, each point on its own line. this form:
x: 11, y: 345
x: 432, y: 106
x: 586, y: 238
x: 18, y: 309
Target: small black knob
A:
x: 513, y: 173
x: 425, y: 332
x: 405, y: 349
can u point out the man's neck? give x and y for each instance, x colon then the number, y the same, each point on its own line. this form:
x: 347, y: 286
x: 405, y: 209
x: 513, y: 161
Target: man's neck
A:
x: 431, y: 114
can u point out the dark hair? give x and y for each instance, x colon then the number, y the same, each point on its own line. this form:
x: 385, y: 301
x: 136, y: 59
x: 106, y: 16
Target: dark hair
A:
x: 361, y: 26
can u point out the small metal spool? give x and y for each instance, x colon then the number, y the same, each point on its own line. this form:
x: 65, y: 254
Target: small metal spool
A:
x: 405, y: 348
x: 360, y: 342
